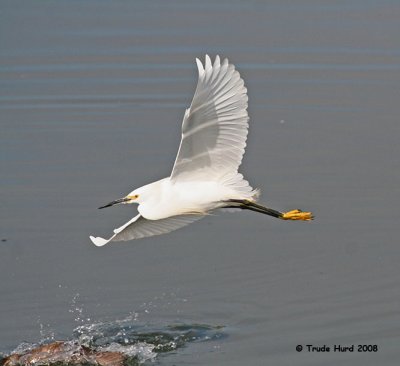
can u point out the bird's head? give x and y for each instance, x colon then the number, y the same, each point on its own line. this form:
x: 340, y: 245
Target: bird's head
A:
x: 133, y: 197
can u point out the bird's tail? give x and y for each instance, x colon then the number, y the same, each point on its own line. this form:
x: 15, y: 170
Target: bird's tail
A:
x: 241, y: 187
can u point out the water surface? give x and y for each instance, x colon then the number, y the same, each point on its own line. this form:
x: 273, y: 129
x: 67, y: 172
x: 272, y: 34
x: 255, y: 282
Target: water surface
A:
x: 91, y: 103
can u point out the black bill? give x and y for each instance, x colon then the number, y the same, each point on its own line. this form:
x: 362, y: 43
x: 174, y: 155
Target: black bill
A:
x: 121, y: 200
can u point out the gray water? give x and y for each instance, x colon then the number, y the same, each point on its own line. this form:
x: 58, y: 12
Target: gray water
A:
x: 92, y: 98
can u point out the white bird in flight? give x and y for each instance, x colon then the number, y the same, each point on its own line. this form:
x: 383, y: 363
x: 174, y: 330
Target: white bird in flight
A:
x: 205, y: 175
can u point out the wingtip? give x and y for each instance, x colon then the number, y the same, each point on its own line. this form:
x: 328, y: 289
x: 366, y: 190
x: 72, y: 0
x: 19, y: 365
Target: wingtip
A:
x: 200, y: 67
x: 99, y: 242
x: 217, y: 62
x: 208, y: 63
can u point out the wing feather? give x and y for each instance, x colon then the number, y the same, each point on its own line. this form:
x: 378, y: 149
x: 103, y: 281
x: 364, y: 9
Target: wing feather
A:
x: 139, y: 227
x: 214, y: 128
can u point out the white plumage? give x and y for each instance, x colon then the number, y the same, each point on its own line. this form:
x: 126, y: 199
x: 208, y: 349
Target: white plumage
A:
x: 214, y: 128
x: 205, y: 174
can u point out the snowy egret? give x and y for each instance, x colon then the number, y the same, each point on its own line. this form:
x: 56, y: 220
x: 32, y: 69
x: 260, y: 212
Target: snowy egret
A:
x: 205, y: 174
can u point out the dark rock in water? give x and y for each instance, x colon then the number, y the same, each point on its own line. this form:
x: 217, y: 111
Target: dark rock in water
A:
x: 11, y: 360
x: 118, y: 343
x: 110, y: 358
x: 65, y: 353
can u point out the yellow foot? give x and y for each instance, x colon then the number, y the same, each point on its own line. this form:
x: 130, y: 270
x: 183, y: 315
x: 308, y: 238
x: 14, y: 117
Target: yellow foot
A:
x: 297, y: 215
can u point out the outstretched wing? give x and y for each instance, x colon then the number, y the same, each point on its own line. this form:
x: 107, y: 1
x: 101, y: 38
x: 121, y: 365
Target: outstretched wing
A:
x: 214, y: 128
x: 139, y: 227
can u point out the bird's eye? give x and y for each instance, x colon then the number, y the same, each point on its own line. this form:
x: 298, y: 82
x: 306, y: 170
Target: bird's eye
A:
x: 136, y: 196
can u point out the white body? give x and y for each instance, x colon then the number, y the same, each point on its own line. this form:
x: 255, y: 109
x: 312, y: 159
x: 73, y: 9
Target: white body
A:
x: 168, y: 198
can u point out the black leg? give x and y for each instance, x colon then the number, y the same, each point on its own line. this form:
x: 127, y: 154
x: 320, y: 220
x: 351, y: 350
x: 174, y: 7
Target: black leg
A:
x: 249, y: 205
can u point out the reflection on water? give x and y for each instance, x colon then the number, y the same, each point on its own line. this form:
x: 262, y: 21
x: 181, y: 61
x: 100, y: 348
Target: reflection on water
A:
x: 119, y: 342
